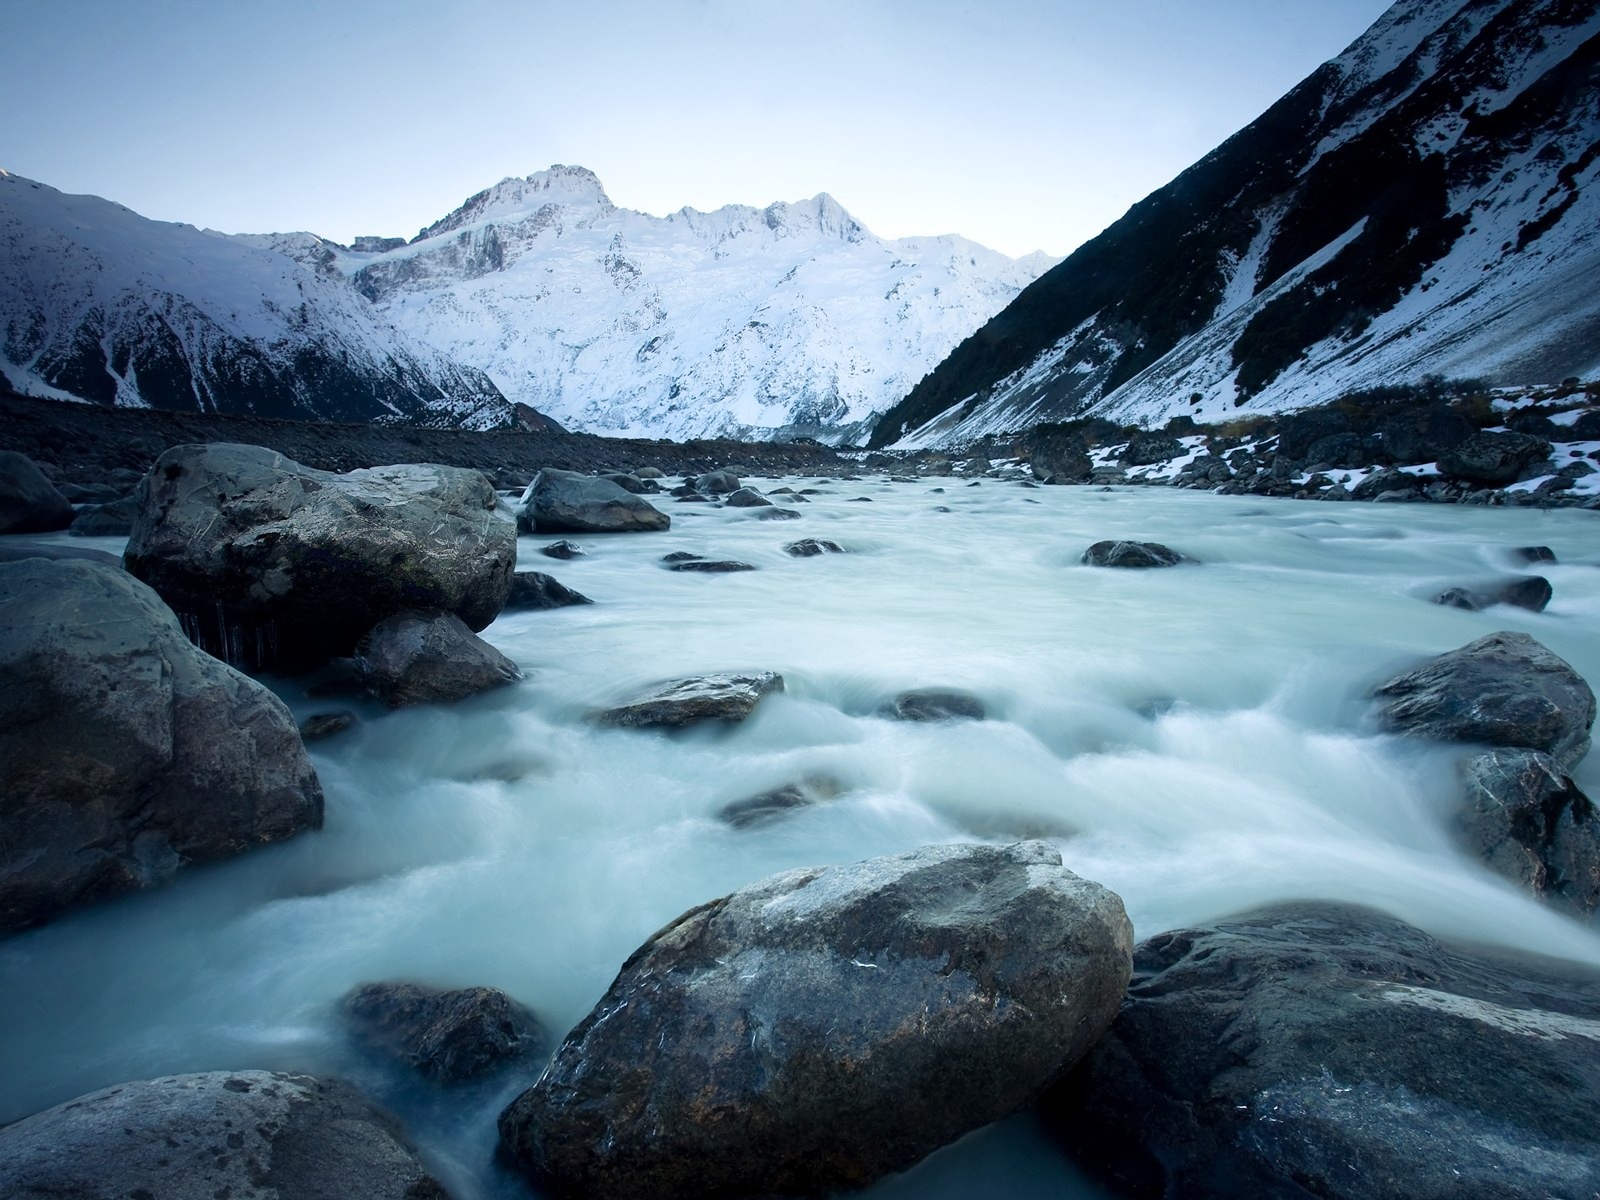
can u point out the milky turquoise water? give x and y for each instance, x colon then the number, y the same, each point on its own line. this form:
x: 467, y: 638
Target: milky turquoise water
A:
x: 1197, y: 739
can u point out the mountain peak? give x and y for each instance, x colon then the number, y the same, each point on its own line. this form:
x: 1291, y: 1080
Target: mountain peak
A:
x: 512, y: 198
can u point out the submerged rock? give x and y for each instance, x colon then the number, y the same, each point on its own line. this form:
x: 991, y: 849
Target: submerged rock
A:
x: 536, y: 590
x: 429, y: 658
x: 934, y: 705
x: 824, y: 1027
x: 447, y: 1036
x: 29, y: 503
x: 811, y: 547
x: 231, y: 1134
x: 1505, y: 689
x: 709, y: 566
x: 721, y: 697
x: 325, y: 725
x: 127, y: 752
x: 746, y: 497
x: 775, y: 802
x: 567, y: 502
x: 271, y: 563
x: 1132, y: 554
x: 562, y: 549
x: 1532, y: 592
x: 774, y: 513
x: 1320, y: 1049
x: 1532, y: 824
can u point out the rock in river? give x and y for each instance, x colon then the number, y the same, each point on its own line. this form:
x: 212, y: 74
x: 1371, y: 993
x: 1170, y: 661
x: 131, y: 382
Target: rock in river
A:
x: 1527, y: 819
x: 823, y: 1027
x: 811, y: 547
x: 1505, y: 689
x: 233, y: 1134
x: 127, y: 752
x: 29, y: 503
x: 1531, y: 592
x: 429, y: 658
x: 720, y: 697
x: 1325, y: 1050
x: 535, y: 590
x: 1132, y: 554
x: 275, y: 564
x: 567, y: 502
x: 447, y: 1036
x: 934, y: 705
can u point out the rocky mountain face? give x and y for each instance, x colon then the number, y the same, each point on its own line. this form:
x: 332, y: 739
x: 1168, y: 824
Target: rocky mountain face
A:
x: 740, y: 322
x: 1422, y: 205
x: 99, y: 304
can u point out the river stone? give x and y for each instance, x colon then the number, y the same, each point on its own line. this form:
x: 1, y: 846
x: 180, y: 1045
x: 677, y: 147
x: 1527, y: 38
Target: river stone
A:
x: 244, y: 1135
x: 811, y: 547
x: 417, y: 657
x: 629, y: 483
x: 934, y: 705
x: 274, y: 564
x: 567, y: 502
x: 325, y: 725
x: 29, y: 503
x: 447, y: 1036
x: 775, y: 513
x: 746, y: 497
x: 18, y: 547
x: 721, y: 697
x: 1320, y: 1049
x: 107, y: 520
x: 823, y: 1027
x: 717, y: 482
x: 1532, y: 592
x: 709, y: 566
x: 1532, y: 824
x: 562, y: 549
x: 1505, y: 689
x: 1493, y: 459
x: 1132, y: 554
x: 767, y: 806
x: 127, y: 752
x: 536, y: 590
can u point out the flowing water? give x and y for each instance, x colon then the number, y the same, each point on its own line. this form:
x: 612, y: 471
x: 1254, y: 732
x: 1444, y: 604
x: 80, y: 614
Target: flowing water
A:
x: 1198, y: 739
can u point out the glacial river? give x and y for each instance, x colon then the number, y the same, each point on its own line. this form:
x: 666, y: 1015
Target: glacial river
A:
x: 1197, y: 739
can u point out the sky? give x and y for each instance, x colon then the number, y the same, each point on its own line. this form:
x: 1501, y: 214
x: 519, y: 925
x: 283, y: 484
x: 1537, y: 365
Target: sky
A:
x: 1022, y: 124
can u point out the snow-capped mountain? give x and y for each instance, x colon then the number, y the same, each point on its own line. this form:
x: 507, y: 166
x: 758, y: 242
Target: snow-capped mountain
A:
x: 1426, y: 203
x: 741, y: 321
x: 102, y: 305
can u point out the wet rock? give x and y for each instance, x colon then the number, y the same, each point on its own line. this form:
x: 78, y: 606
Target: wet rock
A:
x: 536, y: 590
x: 1132, y: 554
x: 236, y: 1134
x: 447, y: 1036
x: 811, y: 547
x: 1531, y: 592
x: 567, y: 502
x: 325, y: 725
x: 562, y: 549
x: 18, y: 547
x: 746, y: 497
x: 868, y: 499
x: 724, y: 696
x: 717, y: 482
x: 775, y: 513
x: 127, y: 752
x: 420, y: 657
x: 1533, y: 554
x: 1493, y: 459
x: 934, y: 705
x: 106, y: 520
x: 768, y: 806
x: 629, y: 483
x: 678, y: 556
x: 271, y: 563
x: 824, y: 1027
x: 1504, y: 689
x: 1532, y: 824
x: 29, y: 503
x: 650, y: 473
x: 1320, y: 1049
x: 693, y: 498
x: 707, y: 566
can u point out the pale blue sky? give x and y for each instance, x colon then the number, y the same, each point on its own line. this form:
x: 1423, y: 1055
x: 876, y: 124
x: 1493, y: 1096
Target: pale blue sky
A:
x: 1021, y: 123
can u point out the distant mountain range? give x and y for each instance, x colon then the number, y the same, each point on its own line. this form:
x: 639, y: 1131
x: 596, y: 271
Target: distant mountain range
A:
x: 539, y: 291
x: 1426, y: 203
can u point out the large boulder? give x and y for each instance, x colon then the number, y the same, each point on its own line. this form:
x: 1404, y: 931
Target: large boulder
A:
x: 823, y: 1027
x: 238, y: 1134
x: 567, y: 502
x: 1493, y: 459
x: 1058, y: 457
x: 720, y: 697
x: 1527, y: 819
x: 419, y: 657
x: 1137, y: 555
x: 1532, y: 592
x: 1332, y: 1051
x: 446, y: 1036
x: 271, y: 563
x: 107, y: 520
x: 29, y: 503
x: 126, y: 752
x: 746, y: 497
x: 1146, y: 449
x: 1420, y: 435
x: 1505, y: 689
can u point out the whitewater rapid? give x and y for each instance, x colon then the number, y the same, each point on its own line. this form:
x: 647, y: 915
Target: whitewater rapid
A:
x: 1198, y: 739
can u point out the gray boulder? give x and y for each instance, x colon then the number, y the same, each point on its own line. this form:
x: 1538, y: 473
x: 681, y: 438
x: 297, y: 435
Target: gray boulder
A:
x: 536, y: 590
x: 419, y: 657
x: 446, y: 1036
x: 774, y: 513
x: 567, y: 502
x: 717, y: 482
x: 127, y: 752
x: 1147, y: 449
x: 747, y: 497
x: 1532, y: 592
x: 823, y: 1027
x: 107, y: 520
x: 769, y: 805
x: 1505, y: 689
x: 1137, y: 555
x: 29, y: 503
x: 271, y: 563
x: 934, y: 705
x: 318, y: 726
x: 1327, y: 1050
x: 721, y: 697
x: 1527, y: 819
x: 1060, y: 459
x: 238, y: 1134
x: 811, y: 547
x: 562, y: 549
x: 1493, y: 459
